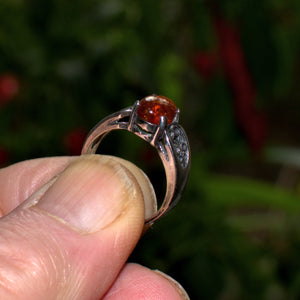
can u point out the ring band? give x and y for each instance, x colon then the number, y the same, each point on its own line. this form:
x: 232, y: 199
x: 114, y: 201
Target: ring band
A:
x: 155, y: 120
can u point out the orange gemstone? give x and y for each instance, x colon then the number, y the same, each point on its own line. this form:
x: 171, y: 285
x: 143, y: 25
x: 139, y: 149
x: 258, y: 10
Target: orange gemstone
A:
x: 151, y: 108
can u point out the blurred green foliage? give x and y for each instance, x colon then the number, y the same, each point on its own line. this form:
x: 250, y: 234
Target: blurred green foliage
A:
x: 235, y: 234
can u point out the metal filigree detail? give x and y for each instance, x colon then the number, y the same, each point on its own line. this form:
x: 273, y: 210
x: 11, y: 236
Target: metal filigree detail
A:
x: 180, y: 144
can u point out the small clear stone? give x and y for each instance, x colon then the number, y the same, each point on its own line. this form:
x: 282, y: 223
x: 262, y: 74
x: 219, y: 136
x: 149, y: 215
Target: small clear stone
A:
x: 183, y: 147
x: 177, y: 132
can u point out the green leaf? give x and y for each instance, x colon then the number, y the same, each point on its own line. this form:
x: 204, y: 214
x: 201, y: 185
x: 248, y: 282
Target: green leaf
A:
x: 230, y: 192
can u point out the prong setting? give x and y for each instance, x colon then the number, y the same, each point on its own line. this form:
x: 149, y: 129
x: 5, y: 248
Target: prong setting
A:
x: 176, y: 118
x: 133, y: 115
x: 160, y: 130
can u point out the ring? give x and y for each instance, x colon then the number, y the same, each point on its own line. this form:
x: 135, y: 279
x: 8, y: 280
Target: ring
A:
x: 155, y: 120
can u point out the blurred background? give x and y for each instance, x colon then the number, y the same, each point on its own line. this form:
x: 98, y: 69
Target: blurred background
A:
x: 232, y: 67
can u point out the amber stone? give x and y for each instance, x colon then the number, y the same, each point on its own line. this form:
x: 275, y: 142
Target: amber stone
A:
x: 151, y: 108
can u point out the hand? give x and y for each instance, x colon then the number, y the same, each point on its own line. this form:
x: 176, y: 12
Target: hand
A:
x: 67, y: 227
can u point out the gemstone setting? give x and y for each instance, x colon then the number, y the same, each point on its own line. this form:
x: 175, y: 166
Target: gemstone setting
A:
x: 152, y: 108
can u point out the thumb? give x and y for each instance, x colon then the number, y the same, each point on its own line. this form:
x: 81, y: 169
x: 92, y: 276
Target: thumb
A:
x: 71, y: 238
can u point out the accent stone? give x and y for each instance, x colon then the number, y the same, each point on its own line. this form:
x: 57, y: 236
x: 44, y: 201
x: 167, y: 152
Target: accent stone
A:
x: 151, y: 108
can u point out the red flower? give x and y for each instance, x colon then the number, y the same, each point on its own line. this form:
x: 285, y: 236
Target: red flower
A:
x: 235, y: 67
x: 205, y: 63
x: 256, y: 130
x: 9, y: 88
x: 74, y: 140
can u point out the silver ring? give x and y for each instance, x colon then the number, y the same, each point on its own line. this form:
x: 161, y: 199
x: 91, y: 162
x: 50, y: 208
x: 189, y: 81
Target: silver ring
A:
x: 155, y: 120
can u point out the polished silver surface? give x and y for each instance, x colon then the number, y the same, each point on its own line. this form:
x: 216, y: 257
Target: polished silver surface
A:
x: 169, y: 140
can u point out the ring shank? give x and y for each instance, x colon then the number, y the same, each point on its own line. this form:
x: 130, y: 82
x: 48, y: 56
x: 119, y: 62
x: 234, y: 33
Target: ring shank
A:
x: 176, y: 173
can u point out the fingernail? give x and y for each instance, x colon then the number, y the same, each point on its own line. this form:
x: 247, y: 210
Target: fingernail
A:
x: 181, y: 291
x: 147, y: 188
x: 92, y: 193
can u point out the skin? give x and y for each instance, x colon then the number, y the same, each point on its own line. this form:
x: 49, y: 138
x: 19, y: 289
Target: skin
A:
x: 67, y: 227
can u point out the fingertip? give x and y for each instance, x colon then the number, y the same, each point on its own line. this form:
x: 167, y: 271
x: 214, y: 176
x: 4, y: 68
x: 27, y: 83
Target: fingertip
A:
x: 178, y: 287
x: 138, y: 282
